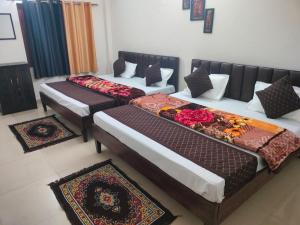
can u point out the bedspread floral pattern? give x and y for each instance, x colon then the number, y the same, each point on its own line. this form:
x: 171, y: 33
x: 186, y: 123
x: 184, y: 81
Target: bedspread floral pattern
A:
x: 122, y: 93
x: 191, y: 118
x: 272, y: 142
x: 156, y: 102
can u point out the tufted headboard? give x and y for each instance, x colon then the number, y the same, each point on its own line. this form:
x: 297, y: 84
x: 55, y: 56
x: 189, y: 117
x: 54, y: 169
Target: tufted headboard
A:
x: 144, y: 60
x: 243, y: 77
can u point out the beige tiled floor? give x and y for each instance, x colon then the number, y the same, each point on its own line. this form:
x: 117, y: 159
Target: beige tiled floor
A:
x: 25, y: 198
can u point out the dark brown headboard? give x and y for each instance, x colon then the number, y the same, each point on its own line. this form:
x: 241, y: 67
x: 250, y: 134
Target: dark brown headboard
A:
x: 144, y: 60
x: 243, y: 77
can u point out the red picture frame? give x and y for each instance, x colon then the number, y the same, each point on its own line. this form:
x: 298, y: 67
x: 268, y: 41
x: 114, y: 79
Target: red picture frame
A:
x: 209, y: 21
x: 197, y: 10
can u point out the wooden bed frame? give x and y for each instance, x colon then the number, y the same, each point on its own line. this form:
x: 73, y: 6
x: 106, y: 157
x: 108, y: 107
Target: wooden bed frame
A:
x: 85, y: 123
x: 240, y: 87
x: 211, y: 213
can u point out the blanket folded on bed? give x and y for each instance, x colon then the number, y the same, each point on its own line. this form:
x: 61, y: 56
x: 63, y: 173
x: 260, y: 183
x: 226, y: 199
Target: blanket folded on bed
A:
x: 121, y: 93
x: 236, y: 167
x: 95, y: 101
x: 270, y: 141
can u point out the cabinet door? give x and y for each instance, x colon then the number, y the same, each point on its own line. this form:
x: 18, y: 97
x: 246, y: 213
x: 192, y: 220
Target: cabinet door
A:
x: 25, y: 86
x: 16, y: 89
x: 19, y: 98
x: 7, y: 94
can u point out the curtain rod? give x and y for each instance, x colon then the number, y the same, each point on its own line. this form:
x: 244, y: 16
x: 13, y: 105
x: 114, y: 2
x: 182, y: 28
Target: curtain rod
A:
x: 93, y: 4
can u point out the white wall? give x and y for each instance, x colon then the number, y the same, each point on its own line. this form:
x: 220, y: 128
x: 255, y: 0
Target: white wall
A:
x: 13, y: 50
x: 252, y: 32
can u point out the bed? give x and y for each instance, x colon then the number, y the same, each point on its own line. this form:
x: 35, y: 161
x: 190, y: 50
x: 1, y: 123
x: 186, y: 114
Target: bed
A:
x: 80, y: 114
x: 200, y: 190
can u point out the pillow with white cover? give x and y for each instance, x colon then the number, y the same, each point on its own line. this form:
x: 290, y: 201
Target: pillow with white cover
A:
x: 255, y: 104
x: 166, y: 74
x: 129, y: 70
x: 219, y: 83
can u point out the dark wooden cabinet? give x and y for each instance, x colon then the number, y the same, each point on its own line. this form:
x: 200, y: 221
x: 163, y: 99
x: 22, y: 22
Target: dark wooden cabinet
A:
x: 16, y: 88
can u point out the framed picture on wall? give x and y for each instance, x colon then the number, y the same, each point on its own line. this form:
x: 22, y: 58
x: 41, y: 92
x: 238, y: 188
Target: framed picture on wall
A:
x: 186, y: 4
x: 209, y: 20
x: 7, y: 30
x: 197, y: 10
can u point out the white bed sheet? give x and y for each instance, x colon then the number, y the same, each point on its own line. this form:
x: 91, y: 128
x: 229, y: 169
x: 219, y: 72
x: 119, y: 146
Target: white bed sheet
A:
x: 75, y: 106
x: 82, y: 109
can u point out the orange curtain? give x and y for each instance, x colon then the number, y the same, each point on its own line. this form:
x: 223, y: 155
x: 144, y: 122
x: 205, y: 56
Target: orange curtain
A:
x: 80, y: 36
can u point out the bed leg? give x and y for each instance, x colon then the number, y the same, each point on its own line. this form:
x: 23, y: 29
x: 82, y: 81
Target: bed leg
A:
x: 84, y: 134
x: 214, y: 218
x: 44, y: 106
x: 98, y: 146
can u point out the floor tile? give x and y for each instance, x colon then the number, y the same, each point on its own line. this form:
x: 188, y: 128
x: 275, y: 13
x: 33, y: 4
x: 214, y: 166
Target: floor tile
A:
x: 17, y: 174
x: 58, y: 218
x: 28, y: 205
x: 71, y: 156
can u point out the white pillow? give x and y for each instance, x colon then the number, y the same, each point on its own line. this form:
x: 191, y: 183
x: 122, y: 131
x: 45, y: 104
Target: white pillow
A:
x: 219, y: 83
x: 166, y: 74
x: 129, y: 70
x: 256, y: 106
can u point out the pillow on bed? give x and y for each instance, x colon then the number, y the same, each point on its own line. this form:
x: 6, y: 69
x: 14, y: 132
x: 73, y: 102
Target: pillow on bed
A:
x: 279, y: 99
x: 255, y: 104
x: 119, y: 67
x: 166, y: 74
x: 153, y: 74
x: 129, y: 70
x: 219, y: 83
x: 140, y: 70
x: 198, y: 82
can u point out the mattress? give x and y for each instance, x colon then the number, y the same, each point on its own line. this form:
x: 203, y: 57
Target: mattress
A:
x: 82, y: 109
x: 201, y: 181
x: 75, y: 106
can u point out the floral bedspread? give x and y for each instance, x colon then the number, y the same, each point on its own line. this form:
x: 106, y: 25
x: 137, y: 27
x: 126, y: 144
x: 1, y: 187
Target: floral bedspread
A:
x: 270, y: 141
x: 155, y: 103
x: 122, y: 93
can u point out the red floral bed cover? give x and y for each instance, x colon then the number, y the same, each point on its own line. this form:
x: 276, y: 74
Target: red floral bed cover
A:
x: 270, y: 141
x: 122, y: 93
